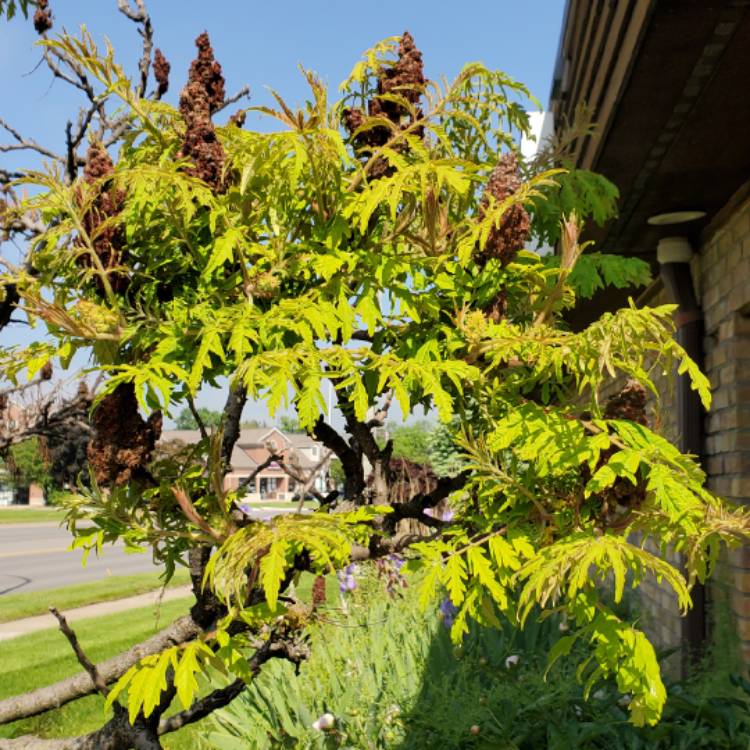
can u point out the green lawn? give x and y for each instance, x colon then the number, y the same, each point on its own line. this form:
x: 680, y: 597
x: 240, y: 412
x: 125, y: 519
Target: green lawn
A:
x: 24, y: 514
x: 39, y: 659
x: 16, y: 606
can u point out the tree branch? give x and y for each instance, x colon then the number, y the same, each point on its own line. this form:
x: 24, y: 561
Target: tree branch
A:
x: 243, y: 92
x: 26, y: 144
x: 273, y: 458
x: 140, y: 16
x: 351, y: 459
x: 232, y: 416
x: 197, y: 418
x: 62, y: 692
x: 83, y: 660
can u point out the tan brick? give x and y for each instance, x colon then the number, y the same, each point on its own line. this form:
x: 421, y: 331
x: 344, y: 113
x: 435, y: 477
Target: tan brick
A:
x: 742, y: 581
x: 740, y: 488
x: 743, y: 628
x: 721, y: 398
x: 711, y: 297
x: 741, y: 605
x: 736, y: 463
x: 726, y: 282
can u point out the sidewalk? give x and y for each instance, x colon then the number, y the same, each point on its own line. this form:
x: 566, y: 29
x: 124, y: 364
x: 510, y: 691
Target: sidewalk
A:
x: 15, y: 628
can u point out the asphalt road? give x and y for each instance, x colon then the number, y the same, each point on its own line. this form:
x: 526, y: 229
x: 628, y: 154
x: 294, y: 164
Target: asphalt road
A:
x: 34, y: 557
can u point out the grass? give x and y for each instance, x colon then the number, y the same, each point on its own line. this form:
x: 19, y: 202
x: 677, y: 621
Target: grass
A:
x: 16, y: 606
x: 39, y: 659
x: 24, y: 514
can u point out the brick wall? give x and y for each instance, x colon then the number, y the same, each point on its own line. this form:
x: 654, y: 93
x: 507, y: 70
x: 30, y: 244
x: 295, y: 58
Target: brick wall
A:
x: 724, y: 289
x: 721, y: 272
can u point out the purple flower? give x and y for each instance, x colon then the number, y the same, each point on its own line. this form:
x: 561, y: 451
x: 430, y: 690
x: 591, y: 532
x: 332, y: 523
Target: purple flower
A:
x: 446, y: 515
x: 396, y: 561
x: 448, y: 612
x: 347, y: 581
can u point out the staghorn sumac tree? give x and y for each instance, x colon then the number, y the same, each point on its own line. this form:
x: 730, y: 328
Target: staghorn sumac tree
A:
x: 379, y: 243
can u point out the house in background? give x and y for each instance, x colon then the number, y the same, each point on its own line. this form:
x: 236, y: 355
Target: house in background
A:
x: 667, y: 83
x: 253, y: 448
x: 13, y: 418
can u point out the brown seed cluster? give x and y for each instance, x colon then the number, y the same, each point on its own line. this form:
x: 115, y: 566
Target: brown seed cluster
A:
x: 506, y: 239
x: 629, y: 403
x: 42, y: 17
x: 509, y: 236
x: 161, y: 73
x: 201, y: 97
x: 238, y: 118
x: 405, y: 79
x: 123, y: 442
x: 319, y: 592
x: 623, y: 495
x: 107, y: 237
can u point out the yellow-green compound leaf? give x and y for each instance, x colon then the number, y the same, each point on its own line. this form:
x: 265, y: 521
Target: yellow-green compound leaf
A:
x: 272, y: 567
x: 145, y: 682
x: 189, y: 666
x: 454, y: 578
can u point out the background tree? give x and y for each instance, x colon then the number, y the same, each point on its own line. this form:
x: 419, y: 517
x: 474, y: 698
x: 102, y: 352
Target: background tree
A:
x: 289, y: 424
x: 186, y: 420
x: 411, y: 441
x: 27, y: 465
x: 378, y: 243
x: 336, y: 472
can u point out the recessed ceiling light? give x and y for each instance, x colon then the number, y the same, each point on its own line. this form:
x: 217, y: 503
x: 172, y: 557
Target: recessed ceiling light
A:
x: 675, y: 217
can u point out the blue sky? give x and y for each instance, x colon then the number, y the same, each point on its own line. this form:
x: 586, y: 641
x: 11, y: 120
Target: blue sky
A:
x: 262, y: 43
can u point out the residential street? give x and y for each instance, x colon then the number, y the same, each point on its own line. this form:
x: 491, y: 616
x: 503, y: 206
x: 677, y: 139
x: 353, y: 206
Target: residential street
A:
x: 35, y: 557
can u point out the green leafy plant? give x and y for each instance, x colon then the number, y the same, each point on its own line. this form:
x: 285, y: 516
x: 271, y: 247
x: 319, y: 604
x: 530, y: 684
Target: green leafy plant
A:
x: 416, y: 689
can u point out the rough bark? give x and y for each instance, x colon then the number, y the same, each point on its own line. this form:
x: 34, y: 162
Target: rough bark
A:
x: 351, y: 458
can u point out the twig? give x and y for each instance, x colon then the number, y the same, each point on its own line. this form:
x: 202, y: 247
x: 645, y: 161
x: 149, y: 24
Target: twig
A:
x: 273, y: 648
x: 189, y: 511
x: 83, y: 660
x: 197, y: 417
x: 248, y: 480
x: 26, y: 144
x: 141, y: 16
x: 311, y: 478
x: 243, y: 92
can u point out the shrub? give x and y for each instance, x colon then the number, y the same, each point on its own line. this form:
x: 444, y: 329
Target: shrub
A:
x: 392, y: 679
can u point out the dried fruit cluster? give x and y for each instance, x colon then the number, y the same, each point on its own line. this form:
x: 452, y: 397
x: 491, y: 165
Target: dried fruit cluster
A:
x: 161, y: 73
x: 202, y: 96
x: 622, y: 496
x: 512, y: 231
x: 42, y: 17
x: 506, y: 239
x: 107, y: 238
x: 404, y: 79
x: 123, y: 441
